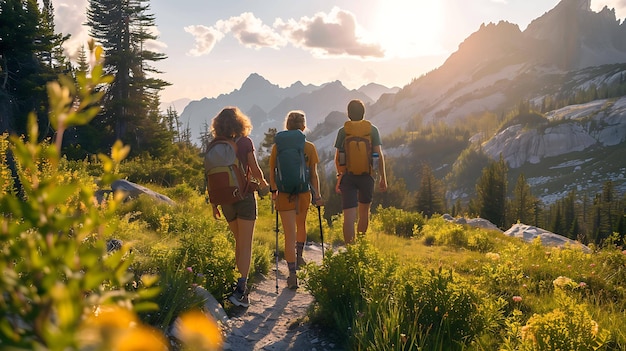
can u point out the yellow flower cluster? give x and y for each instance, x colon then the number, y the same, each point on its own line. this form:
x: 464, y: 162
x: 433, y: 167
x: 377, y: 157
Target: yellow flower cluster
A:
x: 117, y: 328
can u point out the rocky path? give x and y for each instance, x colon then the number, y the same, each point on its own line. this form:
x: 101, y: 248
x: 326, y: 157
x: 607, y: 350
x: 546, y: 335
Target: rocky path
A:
x: 277, y: 321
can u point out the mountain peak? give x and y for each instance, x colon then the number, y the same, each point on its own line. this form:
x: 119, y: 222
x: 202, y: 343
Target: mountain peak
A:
x: 333, y: 85
x: 584, y: 5
x: 255, y: 81
x: 573, y: 36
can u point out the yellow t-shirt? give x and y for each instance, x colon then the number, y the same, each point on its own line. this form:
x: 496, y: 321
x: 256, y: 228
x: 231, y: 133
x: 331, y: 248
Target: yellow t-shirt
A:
x: 310, y: 157
x: 284, y: 201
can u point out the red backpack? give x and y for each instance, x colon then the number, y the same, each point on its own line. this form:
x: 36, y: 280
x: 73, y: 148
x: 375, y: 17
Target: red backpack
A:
x: 225, y: 178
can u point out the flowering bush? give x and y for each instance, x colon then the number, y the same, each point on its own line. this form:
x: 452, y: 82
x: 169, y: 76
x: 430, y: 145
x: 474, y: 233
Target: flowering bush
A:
x: 569, y: 327
x: 346, y: 282
x: 399, y: 222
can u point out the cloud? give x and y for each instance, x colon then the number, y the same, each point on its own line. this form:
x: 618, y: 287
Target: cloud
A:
x: 332, y: 34
x: 205, y: 37
x: 251, y: 32
x: 155, y: 44
x: 69, y: 17
x: 618, y: 5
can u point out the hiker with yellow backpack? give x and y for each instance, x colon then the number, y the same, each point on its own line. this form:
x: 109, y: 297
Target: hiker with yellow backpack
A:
x: 358, y: 160
x: 294, y: 184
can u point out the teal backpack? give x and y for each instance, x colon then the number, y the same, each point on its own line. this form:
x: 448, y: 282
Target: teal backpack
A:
x: 292, y: 174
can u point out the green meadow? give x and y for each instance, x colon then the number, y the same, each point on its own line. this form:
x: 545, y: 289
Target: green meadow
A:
x: 412, y: 283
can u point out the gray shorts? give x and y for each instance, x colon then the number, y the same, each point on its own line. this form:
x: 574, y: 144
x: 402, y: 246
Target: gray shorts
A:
x: 356, y: 188
x: 244, y: 209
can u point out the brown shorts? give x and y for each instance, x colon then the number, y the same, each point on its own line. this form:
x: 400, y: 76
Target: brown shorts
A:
x: 356, y: 188
x: 287, y: 202
x: 244, y: 209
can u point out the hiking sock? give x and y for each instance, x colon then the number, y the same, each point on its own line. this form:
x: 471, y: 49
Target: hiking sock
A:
x: 299, y: 248
x: 292, y: 267
x: 241, y: 284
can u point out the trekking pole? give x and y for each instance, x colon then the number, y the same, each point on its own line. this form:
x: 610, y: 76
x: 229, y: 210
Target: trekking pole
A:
x: 319, y: 216
x: 276, y: 250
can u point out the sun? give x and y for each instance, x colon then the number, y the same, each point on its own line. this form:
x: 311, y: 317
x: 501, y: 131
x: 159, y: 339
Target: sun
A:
x: 409, y: 28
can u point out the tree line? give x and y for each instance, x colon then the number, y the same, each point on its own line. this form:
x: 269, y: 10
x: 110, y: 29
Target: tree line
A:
x: 32, y: 54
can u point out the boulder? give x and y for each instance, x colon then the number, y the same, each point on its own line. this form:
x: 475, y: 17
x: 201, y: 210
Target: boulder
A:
x: 133, y: 190
x: 472, y: 222
x: 528, y: 233
x: 213, y: 307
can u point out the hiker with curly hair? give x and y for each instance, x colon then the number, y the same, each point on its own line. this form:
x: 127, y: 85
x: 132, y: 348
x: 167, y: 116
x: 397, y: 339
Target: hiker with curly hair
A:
x: 241, y: 216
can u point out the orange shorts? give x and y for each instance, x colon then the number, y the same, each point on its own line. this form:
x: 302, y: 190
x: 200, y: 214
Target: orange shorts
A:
x: 287, y: 202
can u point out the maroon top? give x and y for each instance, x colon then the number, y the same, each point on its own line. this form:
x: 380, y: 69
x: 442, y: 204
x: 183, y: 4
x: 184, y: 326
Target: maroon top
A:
x: 244, y: 147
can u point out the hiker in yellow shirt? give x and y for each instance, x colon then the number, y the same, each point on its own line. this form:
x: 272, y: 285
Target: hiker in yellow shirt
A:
x: 293, y: 191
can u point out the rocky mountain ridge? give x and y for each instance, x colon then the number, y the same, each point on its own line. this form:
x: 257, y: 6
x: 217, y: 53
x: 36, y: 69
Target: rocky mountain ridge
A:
x: 568, y: 50
x: 570, y: 129
x: 267, y: 104
x: 498, y: 65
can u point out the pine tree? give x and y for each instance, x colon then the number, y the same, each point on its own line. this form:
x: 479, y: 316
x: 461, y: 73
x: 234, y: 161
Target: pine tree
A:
x: 26, y: 42
x: 430, y: 196
x: 570, y: 216
x: 268, y: 141
x: 82, y: 62
x: 173, y: 124
x: 121, y: 27
x: 50, y: 43
x: 604, y: 213
x: 558, y: 226
x: 491, y: 191
x: 523, y: 202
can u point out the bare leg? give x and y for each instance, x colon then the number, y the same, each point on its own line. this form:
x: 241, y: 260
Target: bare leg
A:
x: 349, y: 217
x: 234, y: 228
x: 243, y: 245
x: 288, y: 219
x: 364, y: 217
x: 301, y: 226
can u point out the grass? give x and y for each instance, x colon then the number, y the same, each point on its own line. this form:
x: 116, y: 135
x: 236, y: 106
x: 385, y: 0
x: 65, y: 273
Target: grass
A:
x: 513, y: 283
x: 445, y: 286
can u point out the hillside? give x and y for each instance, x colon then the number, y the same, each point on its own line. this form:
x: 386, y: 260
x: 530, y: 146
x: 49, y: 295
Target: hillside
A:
x: 575, y: 89
x: 571, y: 61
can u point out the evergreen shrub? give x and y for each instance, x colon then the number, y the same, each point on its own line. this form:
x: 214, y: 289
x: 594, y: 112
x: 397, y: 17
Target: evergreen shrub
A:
x: 399, y: 222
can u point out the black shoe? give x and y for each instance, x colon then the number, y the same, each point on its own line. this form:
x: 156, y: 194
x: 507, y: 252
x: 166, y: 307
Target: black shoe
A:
x: 239, y: 299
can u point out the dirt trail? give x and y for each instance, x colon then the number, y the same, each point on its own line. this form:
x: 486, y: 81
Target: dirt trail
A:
x: 277, y: 321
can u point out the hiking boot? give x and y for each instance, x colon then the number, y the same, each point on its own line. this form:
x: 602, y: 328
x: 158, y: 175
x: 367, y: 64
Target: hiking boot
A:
x: 300, y: 262
x: 239, y: 298
x: 292, y: 281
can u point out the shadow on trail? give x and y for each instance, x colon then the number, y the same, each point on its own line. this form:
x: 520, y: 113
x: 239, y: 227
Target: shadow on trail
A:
x: 277, y: 321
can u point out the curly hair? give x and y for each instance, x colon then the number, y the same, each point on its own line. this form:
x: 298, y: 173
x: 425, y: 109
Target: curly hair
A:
x: 295, y: 120
x: 231, y: 123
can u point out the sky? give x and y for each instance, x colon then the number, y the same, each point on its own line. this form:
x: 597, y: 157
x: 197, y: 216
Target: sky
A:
x: 213, y: 46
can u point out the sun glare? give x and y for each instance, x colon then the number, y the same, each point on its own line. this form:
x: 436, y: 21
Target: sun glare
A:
x: 409, y: 28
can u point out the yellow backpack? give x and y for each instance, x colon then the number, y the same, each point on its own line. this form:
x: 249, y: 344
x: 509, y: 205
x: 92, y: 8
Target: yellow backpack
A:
x: 358, y: 147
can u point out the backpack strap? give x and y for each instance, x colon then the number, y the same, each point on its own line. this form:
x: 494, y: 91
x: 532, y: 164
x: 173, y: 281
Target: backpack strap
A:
x: 249, y: 188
